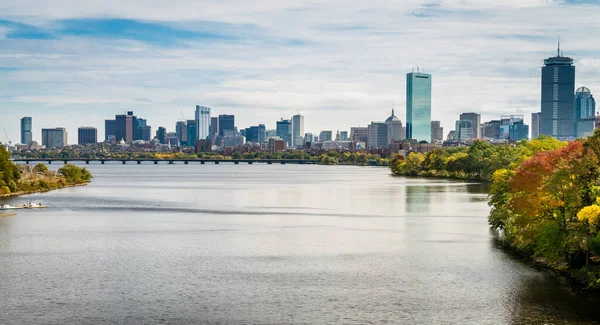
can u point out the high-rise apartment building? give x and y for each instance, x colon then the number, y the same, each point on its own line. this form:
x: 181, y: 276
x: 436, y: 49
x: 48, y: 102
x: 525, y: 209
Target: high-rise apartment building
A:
x: 87, y: 135
x: 297, y: 129
x: 437, y: 132
x: 181, y: 130
x: 203, y: 121
x: 284, y: 131
x: 558, y: 97
x: 418, y: 106
x: 26, y: 127
x: 475, y: 123
x: 54, y: 138
x: 325, y: 136
x: 377, y: 133
x: 536, y: 122
x: 226, y: 123
x: 394, y: 127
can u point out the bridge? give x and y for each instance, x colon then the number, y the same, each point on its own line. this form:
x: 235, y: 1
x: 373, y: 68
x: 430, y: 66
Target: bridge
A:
x: 168, y: 161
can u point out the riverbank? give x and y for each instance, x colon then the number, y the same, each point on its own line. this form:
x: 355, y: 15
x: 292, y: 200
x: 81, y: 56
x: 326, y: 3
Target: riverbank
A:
x: 21, y: 193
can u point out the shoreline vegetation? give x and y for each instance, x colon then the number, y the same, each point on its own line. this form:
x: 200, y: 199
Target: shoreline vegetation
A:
x: 16, y: 180
x: 544, y: 197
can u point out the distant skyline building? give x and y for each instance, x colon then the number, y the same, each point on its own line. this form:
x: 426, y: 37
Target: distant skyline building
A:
x: 203, y: 121
x: 87, y: 135
x: 26, y: 130
x: 475, y: 123
x: 326, y: 136
x: 513, y: 128
x: 256, y: 134
x: 297, y: 129
x: 377, y: 135
x: 558, y: 97
x: 343, y: 135
x: 181, y: 130
x: 191, y: 133
x: 418, y: 106
x: 284, y: 131
x: 491, y: 130
x: 54, y: 138
x: 309, y: 138
x: 585, y: 107
x: 124, y: 127
x: 536, y: 122
x: 110, y: 130
x: 437, y: 132
x: 359, y: 134
x: 161, y: 135
x: 464, y: 130
x: 213, y: 130
x: 226, y: 123
x: 394, y: 127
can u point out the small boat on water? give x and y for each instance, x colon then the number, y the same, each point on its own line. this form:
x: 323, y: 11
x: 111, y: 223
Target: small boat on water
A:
x: 29, y: 205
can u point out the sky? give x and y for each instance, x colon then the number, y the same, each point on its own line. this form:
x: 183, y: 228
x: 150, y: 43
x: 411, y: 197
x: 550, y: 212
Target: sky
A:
x: 72, y: 63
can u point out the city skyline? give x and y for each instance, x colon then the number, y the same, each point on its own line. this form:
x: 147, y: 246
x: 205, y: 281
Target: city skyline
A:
x: 82, y: 64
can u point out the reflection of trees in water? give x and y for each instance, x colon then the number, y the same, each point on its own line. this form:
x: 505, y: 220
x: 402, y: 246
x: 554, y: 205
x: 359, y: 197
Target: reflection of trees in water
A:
x: 417, y: 198
x: 540, y: 297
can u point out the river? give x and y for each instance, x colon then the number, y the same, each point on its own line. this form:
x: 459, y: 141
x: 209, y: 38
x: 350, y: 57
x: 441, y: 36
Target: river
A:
x: 268, y: 244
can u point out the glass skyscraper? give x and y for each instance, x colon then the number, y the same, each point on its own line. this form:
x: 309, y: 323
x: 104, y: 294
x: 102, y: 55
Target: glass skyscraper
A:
x: 297, y: 129
x: 284, y: 131
x: 558, y: 97
x: 26, y: 135
x: 418, y: 106
x: 585, y: 104
x: 202, y: 121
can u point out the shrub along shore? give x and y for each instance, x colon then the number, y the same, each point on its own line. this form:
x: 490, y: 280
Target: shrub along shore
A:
x: 544, y: 197
x: 18, y: 180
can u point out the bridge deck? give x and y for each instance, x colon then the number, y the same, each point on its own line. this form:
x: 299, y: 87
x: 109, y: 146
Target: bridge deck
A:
x: 169, y: 161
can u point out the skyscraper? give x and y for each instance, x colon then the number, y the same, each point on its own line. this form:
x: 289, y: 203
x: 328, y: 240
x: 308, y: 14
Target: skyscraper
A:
x: 203, y: 121
x: 297, y: 129
x: 325, y: 136
x: 26, y: 135
x: 161, y: 135
x: 256, y: 134
x: 536, y: 119
x: 226, y: 123
x: 124, y: 127
x: 213, y: 130
x: 359, y: 134
x: 191, y: 133
x: 87, y: 135
x: 181, y: 130
x: 437, y: 131
x: 585, y: 104
x: 284, y: 131
x: 54, y: 138
x: 110, y: 130
x: 343, y: 135
x: 394, y: 127
x: 475, y: 123
x: 418, y: 106
x: 377, y: 133
x: 558, y: 97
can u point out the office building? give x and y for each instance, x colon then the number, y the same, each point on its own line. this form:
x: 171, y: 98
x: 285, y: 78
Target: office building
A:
x: 475, y: 123
x: 110, y: 130
x: 536, y: 122
x: 344, y: 136
x: 124, y: 127
x: 203, y: 145
x: 276, y: 145
x: 558, y: 97
x: 325, y: 136
x: 309, y: 138
x: 359, y: 134
x: 54, y: 138
x: 26, y: 133
x: 182, y: 134
x: 491, y: 130
x: 394, y: 126
x: 297, y: 129
x: 191, y: 133
x: 464, y: 130
x: 226, y: 123
x: 172, y: 139
x: 513, y: 128
x: 585, y: 104
x: 161, y: 135
x: 141, y: 130
x: 418, y: 106
x: 203, y: 121
x: 213, y: 129
x: 256, y: 134
x: 437, y: 132
x: 87, y: 135
x: 284, y: 131
x: 377, y: 133
x: 587, y: 126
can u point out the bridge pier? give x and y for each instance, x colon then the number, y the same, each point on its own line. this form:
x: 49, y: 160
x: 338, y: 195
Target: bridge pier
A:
x: 124, y: 162
x: 102, y: 162
x: 49, y: 162
x: 283, y: 162
x: 269, y: 163
x: 249, y: 163
x: 65, y: 162
x: 156, y: 162
x: 139, y: 162
x: 87, y: 162
x: 26, y: 162
x: 185, y: 162
x: 216, y: 162
x: 202, y: 162
x: 171, y: 162
x: 236, y: 162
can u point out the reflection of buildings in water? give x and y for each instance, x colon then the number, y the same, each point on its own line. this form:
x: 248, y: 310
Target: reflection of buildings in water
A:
x: 417, y: 198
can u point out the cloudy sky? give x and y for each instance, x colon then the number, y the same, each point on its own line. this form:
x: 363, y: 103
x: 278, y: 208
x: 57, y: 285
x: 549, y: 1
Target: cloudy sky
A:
x: 72, y: 63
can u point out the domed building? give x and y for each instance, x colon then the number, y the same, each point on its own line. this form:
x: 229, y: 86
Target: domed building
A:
x: 395, y: 129
x: 585, y: 104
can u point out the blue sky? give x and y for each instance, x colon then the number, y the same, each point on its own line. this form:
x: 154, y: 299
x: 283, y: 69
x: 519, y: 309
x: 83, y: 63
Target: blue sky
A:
x: 340, y: 63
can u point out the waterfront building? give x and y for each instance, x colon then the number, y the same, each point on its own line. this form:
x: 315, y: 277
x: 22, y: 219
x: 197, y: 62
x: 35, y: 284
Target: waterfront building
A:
x: 54, y: 138
x: 26, y: 133
x: 226, y: 123
x: 394, y: 127
x: 475, y: 123
x: 536, y: 122
x: 284, y: 131
x: 377, y: 133
x: 297, y: 129
x: 359, y: 134
x: 181, y: 130
x: 344, y: 136
x: 256, y: 134
x: 558, y: 97
x: 161, y: 135
x: 437, y: 132
x: 110, y: 130
x: 325, y: 136
x: 87, y: 135
x: 203, y: 121
x: 418, y: 106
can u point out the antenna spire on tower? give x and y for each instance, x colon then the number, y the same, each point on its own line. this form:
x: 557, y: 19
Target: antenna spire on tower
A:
x: 558, y: 50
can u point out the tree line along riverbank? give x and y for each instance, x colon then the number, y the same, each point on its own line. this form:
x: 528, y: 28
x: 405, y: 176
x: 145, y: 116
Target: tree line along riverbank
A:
x: 23, y: 179
x: 544, y: 197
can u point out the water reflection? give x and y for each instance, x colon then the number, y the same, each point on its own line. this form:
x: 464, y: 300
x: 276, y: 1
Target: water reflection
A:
x: 417, y: 199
